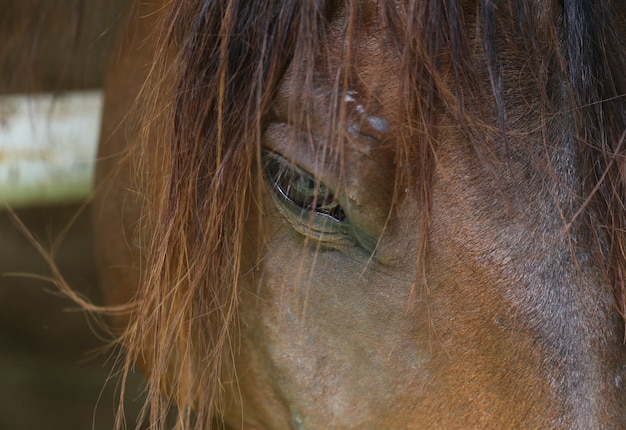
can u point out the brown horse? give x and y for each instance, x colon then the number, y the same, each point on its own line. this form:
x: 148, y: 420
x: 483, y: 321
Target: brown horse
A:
x: 370, y: 214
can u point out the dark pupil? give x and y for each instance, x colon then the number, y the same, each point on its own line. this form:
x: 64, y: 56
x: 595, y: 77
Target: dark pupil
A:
x: 301, y: 188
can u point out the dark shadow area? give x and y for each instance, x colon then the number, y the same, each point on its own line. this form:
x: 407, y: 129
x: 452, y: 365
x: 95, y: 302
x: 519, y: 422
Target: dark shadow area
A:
x: 55, y: 364
x: 56, y: 46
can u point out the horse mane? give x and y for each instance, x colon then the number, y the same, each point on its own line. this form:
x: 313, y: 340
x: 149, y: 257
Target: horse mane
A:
x: 215, y: 76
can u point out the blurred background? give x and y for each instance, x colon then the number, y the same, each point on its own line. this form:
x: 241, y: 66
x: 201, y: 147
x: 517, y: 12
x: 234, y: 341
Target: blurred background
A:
x: 55, y: 364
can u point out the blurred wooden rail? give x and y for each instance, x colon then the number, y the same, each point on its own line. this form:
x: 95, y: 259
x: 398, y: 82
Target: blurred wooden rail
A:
x: 48, y: 147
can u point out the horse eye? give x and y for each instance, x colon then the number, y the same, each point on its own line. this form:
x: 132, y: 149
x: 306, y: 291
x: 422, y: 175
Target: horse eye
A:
x: 300, y: 188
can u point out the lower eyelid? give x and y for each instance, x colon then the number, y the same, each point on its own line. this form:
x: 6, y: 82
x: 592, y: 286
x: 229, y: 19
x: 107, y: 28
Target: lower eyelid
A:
x: 318, y: 227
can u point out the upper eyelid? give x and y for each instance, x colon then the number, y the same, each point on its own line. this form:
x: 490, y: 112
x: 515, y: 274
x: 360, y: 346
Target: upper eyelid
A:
x: 268, y: 154
x: 292, y: 165
x: 302, y: 150
x: 289, y: 165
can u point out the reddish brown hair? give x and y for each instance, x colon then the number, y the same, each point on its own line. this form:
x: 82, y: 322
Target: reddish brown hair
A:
x: 213, y: 82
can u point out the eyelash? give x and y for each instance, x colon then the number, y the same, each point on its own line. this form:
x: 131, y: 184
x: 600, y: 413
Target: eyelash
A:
x: 300, y: 189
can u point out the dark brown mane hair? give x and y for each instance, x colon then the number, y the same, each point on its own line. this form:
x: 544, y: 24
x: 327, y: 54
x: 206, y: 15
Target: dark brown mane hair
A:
x: 212, y: 86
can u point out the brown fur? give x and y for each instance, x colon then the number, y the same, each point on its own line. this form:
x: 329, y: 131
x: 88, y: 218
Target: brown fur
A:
x: 484, y: 271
